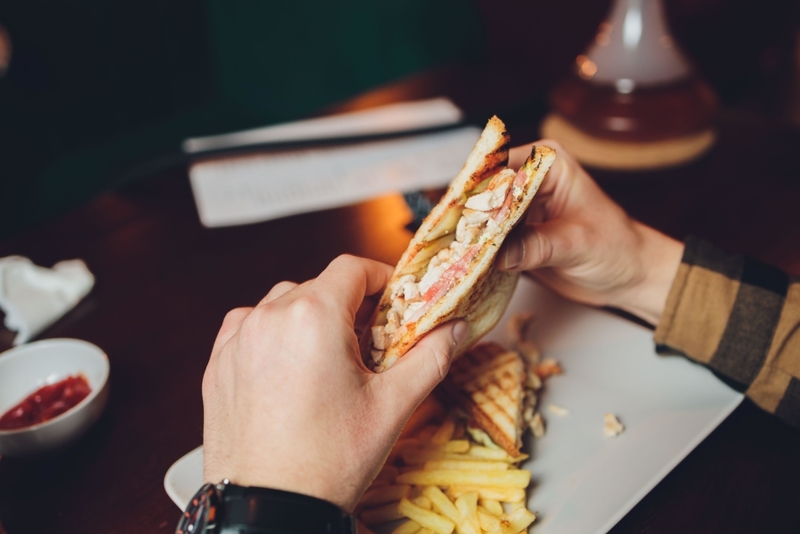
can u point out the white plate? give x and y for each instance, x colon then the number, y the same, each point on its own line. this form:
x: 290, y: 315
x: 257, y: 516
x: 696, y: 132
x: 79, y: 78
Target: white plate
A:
x: 584, y: 482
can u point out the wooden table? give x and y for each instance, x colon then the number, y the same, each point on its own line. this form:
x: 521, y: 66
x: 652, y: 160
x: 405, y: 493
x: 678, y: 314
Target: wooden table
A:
x: 164, y: 284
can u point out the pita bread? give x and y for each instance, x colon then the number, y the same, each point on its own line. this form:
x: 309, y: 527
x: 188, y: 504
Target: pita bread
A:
x: 469, y: 287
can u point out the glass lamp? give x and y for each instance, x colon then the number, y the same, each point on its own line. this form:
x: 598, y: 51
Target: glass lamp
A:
x: 633, y: 100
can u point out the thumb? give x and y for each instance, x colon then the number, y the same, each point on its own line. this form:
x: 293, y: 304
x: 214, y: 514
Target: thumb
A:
x: 546, y: 244
x: 415, y: 375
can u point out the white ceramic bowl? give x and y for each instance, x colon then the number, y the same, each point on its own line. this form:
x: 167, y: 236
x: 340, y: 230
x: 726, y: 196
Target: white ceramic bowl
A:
x: 27, y: 368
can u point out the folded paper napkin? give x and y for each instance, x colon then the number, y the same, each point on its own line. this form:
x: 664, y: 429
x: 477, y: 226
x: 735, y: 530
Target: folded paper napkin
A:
x: 250, y: 188
x: 34, y: 297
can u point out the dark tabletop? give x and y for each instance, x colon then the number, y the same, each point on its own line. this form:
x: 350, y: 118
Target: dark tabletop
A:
x: 164, y: 284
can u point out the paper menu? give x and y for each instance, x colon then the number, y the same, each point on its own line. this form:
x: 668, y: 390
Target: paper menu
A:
x: 255, y: 188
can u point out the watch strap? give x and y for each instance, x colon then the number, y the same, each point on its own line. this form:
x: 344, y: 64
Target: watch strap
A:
x: 253, y: 510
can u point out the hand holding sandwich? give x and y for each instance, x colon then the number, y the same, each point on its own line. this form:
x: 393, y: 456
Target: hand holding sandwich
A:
x: 288, y: 402
x: 584, y: 246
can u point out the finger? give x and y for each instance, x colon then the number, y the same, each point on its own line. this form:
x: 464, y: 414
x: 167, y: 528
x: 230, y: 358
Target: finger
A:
x: 555, y: 243
x: 563, y: 167
x: 348, y: 279
x: 415, y: 375
x: 277, y: 291
x: 551, y: 198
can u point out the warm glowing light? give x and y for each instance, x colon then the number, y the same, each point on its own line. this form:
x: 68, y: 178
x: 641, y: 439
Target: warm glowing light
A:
x: 666, y: 41
x: 586, y: 67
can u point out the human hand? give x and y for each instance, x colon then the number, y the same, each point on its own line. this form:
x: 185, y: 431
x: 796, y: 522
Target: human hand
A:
x: 580, y: 243
x: 289, y: 403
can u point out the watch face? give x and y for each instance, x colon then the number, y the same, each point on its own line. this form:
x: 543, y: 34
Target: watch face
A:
x: 200, y: 512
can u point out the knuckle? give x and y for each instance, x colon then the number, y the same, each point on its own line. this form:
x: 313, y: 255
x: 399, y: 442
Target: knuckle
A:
x: 232, y: 320
x: 345, y: 260
x: 234, y: 316
x: 254, y: 323
x: 283, y: 286
x: 543, y: 249
x: 306, y: 309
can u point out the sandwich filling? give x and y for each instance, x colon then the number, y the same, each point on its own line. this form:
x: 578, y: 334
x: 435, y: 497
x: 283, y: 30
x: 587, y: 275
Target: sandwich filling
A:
x: 446, y: 256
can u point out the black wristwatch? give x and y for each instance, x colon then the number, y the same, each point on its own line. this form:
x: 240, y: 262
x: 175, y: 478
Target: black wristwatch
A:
x: 226, y: 508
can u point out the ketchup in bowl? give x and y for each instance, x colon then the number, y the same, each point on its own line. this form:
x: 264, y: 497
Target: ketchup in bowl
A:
x: 46, y: 403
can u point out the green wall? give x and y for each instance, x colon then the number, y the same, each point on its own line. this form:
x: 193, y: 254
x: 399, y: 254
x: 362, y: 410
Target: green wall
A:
x: 97, y: 88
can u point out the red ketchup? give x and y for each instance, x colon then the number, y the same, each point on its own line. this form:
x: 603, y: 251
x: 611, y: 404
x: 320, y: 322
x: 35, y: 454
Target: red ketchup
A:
x: 46, y: 403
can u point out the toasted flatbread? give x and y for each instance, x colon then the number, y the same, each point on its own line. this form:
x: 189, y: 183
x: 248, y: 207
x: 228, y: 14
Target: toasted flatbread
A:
x: 489, y: 383
x: 491, y: 199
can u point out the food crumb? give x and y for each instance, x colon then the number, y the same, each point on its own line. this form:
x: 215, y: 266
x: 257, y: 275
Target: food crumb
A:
x: 537, y: 426
x: 548, y: 368
x: 558, y: 410
x: 611, y: 425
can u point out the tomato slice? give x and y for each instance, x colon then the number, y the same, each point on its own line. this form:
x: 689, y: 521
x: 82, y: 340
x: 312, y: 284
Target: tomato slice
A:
x: 446, y: 282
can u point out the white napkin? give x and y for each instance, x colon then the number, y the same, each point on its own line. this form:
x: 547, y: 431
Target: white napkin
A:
x: 245, y: 189
x: 34, y: 297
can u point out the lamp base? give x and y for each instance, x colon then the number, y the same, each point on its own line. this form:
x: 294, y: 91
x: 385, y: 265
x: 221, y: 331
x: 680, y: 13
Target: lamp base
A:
x: 626, y: 155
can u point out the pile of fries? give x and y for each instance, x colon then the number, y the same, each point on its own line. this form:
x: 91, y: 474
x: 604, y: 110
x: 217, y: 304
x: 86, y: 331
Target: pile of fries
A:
x: 439, y: 480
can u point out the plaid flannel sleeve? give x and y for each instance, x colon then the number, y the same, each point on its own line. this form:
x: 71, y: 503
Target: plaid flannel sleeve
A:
x: 741, y: 318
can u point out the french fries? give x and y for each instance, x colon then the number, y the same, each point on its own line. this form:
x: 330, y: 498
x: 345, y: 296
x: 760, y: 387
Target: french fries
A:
x: 519, y: 519
x: 491, y: 523
x: 409, y: 527
x: 516, y: 478
x: 465, y: 464
x: 413, y: 456
x: 492, y: 506
x: 489, y: 454
x: 509, y: 495
x: 426, y: 518
x: 467, y: 506
x: 438, y: 480
x: 422, y: 502
x: 441, y: 503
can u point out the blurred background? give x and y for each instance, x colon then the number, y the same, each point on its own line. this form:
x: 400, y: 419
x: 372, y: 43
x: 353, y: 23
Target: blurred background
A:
x: 91, y: 91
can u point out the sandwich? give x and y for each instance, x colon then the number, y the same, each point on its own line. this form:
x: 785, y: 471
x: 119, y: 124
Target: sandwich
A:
x: 492, y: 387
x: 447, y: 272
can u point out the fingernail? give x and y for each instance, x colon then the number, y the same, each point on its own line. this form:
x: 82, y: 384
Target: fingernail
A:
x: 460, y: 333
x: 515, y: 251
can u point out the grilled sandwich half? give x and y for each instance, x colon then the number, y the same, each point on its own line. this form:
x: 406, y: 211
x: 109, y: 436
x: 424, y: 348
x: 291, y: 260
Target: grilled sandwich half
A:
x: 491, y: 385
x: 447, y: 272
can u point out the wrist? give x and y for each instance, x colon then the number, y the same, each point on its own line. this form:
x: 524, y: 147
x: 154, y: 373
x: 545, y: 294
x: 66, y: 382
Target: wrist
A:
x: 659, y: 257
